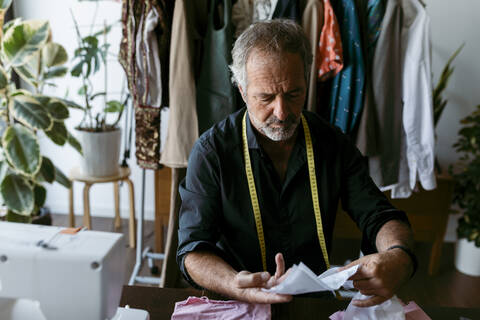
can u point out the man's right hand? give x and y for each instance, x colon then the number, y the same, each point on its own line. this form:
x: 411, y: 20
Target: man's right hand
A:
x: 249, y: 285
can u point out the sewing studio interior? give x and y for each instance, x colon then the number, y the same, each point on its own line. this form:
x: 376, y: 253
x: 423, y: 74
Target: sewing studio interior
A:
x: 239, y: 159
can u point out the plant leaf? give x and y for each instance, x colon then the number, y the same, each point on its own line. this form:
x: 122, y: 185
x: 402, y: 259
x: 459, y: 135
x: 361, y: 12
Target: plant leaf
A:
x: 30, y: 112
x: 10, y: 24
x: 40, y: 195
x: 17, y: 194
x: 71, y: 104
x: 13, y: 217
x: 55, y: 72
x: 46, y: 172
x: 113, y: 106
x: 58, y: 133
x: 55, y: 107
x: 5, y: 4
x: 21, y: 149
x: 22, y: 41
x: 53, y: 54
x: 3, y: 79
x: 74, y: 143
x: 61, y: 178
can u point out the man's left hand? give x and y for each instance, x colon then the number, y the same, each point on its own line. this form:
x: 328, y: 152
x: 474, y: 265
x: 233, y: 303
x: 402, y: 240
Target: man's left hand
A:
x: 380, y: 275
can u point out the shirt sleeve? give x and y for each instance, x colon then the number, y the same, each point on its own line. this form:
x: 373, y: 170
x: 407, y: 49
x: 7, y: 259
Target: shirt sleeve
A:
x: 361, y: 198
x: 200, y: 210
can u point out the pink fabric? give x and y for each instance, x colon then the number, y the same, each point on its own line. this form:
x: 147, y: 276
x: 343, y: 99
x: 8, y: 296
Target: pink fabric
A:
x: 412, y: 312
x: 195, y: 308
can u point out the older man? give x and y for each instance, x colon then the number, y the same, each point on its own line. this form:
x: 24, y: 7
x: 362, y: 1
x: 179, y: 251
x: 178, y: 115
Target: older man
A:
x: 263, y: 186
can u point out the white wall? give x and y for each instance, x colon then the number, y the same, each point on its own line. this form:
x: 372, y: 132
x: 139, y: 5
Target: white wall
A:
x: 452, y: 23
x: 58, y: 13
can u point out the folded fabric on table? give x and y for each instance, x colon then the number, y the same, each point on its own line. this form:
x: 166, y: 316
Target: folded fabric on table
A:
x: 412, y: 312
x: 206, y: 309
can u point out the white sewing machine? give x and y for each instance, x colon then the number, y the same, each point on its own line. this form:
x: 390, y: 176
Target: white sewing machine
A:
x: 50, y: 273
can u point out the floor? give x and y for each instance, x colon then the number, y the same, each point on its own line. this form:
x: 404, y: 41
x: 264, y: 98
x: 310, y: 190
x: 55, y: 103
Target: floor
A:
x: 449, y: 288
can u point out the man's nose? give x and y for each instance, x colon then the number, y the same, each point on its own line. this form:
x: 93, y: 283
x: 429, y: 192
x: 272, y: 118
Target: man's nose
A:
x: 280, y: 108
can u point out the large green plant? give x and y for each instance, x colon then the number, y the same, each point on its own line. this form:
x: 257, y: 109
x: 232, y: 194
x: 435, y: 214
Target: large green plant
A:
x: 467, y: 178
x: 27, y: 49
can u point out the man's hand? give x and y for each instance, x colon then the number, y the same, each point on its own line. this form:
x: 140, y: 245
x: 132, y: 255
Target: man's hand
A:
x: 249, y: 285
x: 380, y: 275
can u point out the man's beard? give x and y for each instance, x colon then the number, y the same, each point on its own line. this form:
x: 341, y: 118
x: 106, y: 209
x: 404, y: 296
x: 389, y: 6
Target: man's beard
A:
x: 282, y: 133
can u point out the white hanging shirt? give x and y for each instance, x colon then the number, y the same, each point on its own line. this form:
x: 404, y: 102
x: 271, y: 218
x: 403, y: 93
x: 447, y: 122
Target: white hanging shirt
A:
x: 418, y: 139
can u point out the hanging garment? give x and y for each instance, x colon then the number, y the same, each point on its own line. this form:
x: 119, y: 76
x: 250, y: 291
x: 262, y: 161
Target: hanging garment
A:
x: 418, y: 136
x: 387, y: 69
x: 371, y: 13
x: 182, y: 131
x: 330, y: 52
x: 346, y: 99
x: 312, y: 23
x: 287, y: 9
x: 215, y: 92
x: 246, y: 12
x: 144, y: 54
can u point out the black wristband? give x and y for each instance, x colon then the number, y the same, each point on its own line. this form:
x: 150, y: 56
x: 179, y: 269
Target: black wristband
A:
x: 412, y: 256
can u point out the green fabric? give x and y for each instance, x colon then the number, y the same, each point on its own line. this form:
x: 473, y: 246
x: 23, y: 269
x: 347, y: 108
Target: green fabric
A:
x: 215, y: 93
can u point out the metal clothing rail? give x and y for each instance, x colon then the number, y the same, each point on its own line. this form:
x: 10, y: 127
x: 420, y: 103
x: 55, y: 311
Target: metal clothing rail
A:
x: 142, y: 253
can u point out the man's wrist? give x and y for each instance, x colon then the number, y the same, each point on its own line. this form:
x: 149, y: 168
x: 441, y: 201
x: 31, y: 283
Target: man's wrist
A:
x: 411, y: 255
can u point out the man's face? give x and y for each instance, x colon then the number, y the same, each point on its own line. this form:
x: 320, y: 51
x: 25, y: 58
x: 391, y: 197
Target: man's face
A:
x: 275, y: 93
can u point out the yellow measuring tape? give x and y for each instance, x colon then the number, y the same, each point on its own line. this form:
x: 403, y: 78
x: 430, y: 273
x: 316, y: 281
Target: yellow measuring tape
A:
x: 313, y: 188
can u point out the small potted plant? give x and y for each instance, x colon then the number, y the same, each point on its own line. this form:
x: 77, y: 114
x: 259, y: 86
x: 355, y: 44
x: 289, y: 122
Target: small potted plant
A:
x: 98, y: 131
x: 27, y: 49
x: 467, y: 195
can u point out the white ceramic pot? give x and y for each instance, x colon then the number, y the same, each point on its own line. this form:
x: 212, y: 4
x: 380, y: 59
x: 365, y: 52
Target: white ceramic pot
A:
x: 467, y: 257
x: 101, y: 152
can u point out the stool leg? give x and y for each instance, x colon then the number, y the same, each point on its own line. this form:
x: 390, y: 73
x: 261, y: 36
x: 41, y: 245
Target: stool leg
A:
x: 131, y: 221
x: 116, y: 195
x: 87, y: 219
x: 71, y: 215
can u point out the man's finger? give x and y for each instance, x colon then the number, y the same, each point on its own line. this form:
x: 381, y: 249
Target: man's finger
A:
x: 369, y: 302
x: 364, y: 284
x: 280, y: 265
x: 351, y: 264
x: 257, y: 296
x: 245, y: 279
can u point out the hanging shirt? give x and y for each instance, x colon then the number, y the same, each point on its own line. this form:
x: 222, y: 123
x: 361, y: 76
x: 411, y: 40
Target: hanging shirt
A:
x: 407, y: 105
x: 246, y: 12
x: 312, y: 24
x: 346, y: 99
x: 182, y: 130
x: 330, y: 52
x: 217, y: 215
x: 418, y: 156
x: 215, y: 92
x: 371, y: 13
x: 287, y: 9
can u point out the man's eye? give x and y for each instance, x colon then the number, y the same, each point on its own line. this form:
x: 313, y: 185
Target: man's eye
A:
x: 265, y: 98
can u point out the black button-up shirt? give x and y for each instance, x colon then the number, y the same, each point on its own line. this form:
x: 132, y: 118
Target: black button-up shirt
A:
x: 217, y: 215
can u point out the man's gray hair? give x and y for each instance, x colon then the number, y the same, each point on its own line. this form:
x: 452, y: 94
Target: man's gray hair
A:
x: 273, y: 37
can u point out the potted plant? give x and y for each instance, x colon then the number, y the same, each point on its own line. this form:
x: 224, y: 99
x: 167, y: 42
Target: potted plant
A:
x: 98, y: 130
x: 467, y: 195
x: 27, y: 49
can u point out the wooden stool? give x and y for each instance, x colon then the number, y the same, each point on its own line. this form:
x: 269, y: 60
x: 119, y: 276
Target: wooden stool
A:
x: 123, y: 175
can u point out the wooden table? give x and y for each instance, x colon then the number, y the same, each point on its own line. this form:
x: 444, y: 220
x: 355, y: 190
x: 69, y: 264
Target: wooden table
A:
x: 160, y: 303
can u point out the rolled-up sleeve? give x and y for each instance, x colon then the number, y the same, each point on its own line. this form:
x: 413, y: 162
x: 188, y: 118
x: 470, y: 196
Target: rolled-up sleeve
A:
x: 200, y: 209
x: 361, y: 198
